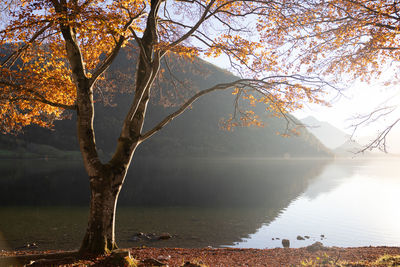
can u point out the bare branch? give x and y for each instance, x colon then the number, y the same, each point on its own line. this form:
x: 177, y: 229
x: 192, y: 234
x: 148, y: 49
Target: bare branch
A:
x: 380, y: 141
x: 143, y: 53
x: 193, y: 29
x: 178, y: 112
x: 262, y: 86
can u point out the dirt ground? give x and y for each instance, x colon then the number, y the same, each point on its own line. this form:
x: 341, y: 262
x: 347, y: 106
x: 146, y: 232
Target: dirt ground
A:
x: 310, y: 256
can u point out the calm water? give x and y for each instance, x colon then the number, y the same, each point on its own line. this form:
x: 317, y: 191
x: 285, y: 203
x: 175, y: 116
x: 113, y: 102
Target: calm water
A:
x: 235, y: 203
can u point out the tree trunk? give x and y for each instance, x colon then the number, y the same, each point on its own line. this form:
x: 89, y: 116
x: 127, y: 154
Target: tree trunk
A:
x: 100, y: 233
x: 106, y: 179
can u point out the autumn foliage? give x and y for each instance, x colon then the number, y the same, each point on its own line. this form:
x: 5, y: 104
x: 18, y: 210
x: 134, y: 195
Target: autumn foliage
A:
x: 358, y: 38
x: 343, y: 41
x: 37, y: 82
x: 55, y: 53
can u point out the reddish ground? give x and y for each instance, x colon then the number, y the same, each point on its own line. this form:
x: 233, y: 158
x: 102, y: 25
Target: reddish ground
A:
x: 262, y: 257
x: 232, y: 257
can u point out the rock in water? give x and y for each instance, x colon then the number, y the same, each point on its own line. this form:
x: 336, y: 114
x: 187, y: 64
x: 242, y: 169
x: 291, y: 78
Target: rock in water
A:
x: 299, y: 237
x: 164, y: 236
x: 285, y: 243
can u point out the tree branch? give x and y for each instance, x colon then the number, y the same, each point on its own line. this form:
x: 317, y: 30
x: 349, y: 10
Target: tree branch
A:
x: 41, y: 100
x: 111, y: 57
x: 262, y: 86
x: 15, y: 55
x: 37, y: 97
x: 193, y: 29
x: 178, y: 112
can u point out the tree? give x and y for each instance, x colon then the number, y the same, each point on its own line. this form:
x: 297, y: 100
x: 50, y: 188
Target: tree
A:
x: 345, y: 40
x: 55, y: 52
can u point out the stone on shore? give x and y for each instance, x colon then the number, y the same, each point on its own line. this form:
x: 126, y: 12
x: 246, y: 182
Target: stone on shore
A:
x: 285, y: 243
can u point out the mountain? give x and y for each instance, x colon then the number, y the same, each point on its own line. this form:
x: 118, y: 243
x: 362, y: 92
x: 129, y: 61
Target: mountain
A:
x: 328, y: 134
x: 350, y: 149
x: 194, y: 133
x: 335, y: 139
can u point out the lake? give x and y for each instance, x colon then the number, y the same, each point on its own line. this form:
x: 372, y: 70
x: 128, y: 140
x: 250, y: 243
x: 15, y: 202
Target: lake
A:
x: 245, y: 203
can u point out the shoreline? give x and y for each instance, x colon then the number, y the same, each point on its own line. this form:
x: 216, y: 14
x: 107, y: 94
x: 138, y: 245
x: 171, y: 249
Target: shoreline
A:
x: 361, y: 256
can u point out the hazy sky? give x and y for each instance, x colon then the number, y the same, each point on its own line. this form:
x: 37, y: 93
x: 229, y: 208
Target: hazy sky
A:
x: 359, y: 98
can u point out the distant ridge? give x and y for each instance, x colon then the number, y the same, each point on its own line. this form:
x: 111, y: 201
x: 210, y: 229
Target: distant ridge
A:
x: 328, y: 134
x: 338, y: 141
x: 350, y: 148
x: 195, y: 133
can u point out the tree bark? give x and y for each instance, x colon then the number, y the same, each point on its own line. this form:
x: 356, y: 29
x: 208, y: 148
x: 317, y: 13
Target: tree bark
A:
x: 100, y: 233
x: 106, y: 180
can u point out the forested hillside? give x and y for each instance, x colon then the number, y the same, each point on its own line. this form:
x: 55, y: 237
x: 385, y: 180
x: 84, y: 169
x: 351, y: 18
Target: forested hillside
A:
x: 197, y: 132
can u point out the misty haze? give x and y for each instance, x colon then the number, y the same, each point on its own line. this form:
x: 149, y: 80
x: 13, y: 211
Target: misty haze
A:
x: 199, y: 133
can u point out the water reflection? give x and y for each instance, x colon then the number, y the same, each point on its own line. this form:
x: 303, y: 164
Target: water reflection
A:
x: 200, y: 202
x: 352, y: 203
x: 219, y: 182
x: 332, y: 176
x: 43, y: 183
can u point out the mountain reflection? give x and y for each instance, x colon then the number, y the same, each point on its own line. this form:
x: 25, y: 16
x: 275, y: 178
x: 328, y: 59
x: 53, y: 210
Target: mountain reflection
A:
x: 200, y: 202
x: 332, y: 176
